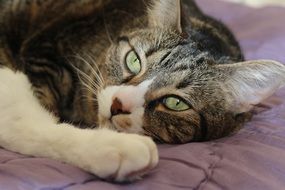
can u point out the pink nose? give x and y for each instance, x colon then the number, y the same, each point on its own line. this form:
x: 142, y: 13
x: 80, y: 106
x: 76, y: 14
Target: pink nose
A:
x: 117, y: 108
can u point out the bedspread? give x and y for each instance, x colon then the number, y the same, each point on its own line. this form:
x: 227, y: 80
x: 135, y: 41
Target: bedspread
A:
x: 254, y: 158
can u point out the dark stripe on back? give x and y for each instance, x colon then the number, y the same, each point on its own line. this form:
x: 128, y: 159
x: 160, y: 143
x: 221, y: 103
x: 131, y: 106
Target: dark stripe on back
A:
x: 45, y: 79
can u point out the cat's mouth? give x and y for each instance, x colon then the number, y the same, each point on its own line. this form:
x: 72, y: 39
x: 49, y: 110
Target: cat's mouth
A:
x: 121, y: 122
x: 127, y: 123
x: 122, y: 107
x: 106, y: 123
x: 115, y: 123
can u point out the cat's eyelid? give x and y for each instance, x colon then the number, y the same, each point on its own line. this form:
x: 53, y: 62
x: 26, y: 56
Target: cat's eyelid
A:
x: 126, y: 47
x: 125, y: 39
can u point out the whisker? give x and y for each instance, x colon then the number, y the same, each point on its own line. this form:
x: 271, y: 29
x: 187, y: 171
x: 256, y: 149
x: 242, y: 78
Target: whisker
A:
x: 93, y: 71
x: 98, y: 73
x: 107, y: 31
x: 93, y: 81
x: 87, y: 78
x: 88, y: 87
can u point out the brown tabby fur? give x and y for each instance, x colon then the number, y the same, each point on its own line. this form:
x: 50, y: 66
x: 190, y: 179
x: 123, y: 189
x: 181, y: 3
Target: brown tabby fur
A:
x: 48, y: 39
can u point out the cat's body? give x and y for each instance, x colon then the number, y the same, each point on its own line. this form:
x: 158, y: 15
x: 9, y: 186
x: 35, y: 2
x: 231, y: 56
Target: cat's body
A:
x: 124, y: 65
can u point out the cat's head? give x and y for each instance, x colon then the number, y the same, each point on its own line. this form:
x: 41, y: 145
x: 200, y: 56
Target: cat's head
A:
x: 156, y: 82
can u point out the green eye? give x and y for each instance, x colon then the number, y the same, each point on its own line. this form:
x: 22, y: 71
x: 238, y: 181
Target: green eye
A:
x: 133, y: 62
x: 175, y: 104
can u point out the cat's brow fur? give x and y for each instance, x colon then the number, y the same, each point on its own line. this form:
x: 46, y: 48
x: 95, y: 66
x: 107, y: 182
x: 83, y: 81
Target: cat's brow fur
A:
x: 69, y: 51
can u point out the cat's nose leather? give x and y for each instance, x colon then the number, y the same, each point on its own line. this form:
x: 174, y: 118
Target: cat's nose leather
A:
x: 117, y: 108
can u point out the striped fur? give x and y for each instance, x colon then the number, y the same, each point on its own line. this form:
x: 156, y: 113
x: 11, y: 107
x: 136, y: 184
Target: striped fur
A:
x: 71, y: 50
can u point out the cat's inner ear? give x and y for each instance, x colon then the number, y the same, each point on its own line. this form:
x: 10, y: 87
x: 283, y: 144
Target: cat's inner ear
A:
x: 165, y: 14
x: 249, y: 83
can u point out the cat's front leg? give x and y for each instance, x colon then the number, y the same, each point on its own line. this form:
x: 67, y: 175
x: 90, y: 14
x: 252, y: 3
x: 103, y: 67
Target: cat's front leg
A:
x: 112, y: 155
x: 27, y: 128
x: 107, y: 154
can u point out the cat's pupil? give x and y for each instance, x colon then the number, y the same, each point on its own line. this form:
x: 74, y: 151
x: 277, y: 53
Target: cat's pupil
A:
x: 178, y: 102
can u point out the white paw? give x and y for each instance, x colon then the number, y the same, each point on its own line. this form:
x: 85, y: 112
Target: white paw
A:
x: 120, y: 157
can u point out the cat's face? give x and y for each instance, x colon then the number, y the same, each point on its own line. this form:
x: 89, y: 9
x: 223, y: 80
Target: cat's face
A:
x: 157, y: 83
x: 148, y: 87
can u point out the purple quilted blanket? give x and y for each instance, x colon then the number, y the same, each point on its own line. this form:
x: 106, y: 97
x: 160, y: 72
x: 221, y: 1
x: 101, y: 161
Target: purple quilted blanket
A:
x: 252, y: 159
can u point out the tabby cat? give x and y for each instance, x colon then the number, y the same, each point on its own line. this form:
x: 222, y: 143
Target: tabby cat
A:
x: 159, y: 68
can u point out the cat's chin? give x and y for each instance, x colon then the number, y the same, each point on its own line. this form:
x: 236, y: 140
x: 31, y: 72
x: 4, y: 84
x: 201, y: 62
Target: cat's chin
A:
x: 115, y: 125
x: 127, y: 123
x: 107, y: 124
x: 121, y: 122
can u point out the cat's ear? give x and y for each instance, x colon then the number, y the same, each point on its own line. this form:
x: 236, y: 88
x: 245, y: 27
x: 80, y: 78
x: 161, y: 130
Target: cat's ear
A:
x: 249, y: 83
x: 165, y: 14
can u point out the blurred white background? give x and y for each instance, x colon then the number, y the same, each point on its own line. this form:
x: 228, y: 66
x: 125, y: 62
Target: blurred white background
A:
x: 260, y: 3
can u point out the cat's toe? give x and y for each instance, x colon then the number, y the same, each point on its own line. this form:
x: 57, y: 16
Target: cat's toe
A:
x: 139, y: 161
x: 137, y: 154
x: 124, y: 157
